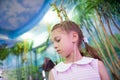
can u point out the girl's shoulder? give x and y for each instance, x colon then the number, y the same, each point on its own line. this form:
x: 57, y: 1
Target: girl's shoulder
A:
x: 61, y: 67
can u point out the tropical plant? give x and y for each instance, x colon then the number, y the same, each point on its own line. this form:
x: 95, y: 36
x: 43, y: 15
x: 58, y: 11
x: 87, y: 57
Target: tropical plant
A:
x: 17, y: 50
x: 4, y: 51
x: 93, y: 15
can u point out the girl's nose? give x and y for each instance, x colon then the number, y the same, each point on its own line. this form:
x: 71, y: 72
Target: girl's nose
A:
x: 55, y: 45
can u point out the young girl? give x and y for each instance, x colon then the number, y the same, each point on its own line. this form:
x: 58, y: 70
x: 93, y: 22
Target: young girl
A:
x: 67, y: 39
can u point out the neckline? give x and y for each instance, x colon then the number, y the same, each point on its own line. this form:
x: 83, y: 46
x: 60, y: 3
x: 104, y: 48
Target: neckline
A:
x: 61, y: 67
x: 74, y: 61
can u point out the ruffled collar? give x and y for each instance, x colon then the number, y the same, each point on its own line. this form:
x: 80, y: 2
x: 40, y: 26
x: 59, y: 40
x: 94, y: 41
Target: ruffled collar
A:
x: 61, y: 67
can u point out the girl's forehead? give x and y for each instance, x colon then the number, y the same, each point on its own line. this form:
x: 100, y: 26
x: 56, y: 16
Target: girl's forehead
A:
x: 57, y: 32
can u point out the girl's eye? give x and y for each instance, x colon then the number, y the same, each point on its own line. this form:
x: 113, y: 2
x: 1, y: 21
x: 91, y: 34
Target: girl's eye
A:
x: 57, y: 39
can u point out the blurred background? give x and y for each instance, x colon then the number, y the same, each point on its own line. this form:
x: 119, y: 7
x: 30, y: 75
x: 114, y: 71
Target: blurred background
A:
x: 25, y: 33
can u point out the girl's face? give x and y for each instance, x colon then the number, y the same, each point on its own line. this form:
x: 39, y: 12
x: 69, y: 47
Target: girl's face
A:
x: 62, y: 42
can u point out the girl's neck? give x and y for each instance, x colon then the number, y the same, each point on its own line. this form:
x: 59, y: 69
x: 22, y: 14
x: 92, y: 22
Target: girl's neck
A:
x: 73, y: 57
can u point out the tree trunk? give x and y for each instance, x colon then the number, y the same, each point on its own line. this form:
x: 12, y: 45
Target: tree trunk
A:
x: 114, y: 38
x: 114, y: 53
x: 100, y: 50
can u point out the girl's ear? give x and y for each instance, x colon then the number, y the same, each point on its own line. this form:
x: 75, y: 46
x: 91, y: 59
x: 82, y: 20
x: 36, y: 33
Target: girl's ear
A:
x: 74, y: 37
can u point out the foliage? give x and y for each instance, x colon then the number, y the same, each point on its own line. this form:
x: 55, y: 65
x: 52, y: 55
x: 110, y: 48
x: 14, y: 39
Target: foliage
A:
x: 95, y: 16
x: 17, y: 48
x: 4, y: 53
x: 115, y: 46
x: 114, y: 6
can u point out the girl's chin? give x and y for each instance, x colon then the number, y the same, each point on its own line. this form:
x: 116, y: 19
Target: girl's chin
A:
x: 63, y: 56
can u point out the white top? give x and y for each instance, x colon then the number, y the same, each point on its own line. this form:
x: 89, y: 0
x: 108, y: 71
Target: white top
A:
x: 84, y: 69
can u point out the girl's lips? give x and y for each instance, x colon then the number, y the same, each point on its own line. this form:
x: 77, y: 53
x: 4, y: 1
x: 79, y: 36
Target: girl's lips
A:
x: 58, y: 51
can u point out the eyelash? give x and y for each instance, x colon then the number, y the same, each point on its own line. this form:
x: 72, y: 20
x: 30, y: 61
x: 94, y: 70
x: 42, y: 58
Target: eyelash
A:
x: 57, y: 40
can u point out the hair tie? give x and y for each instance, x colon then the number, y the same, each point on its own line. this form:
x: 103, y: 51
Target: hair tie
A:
x: 85, y: 40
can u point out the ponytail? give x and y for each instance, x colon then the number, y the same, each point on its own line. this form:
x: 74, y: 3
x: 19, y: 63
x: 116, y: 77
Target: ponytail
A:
x: 92, y: 51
